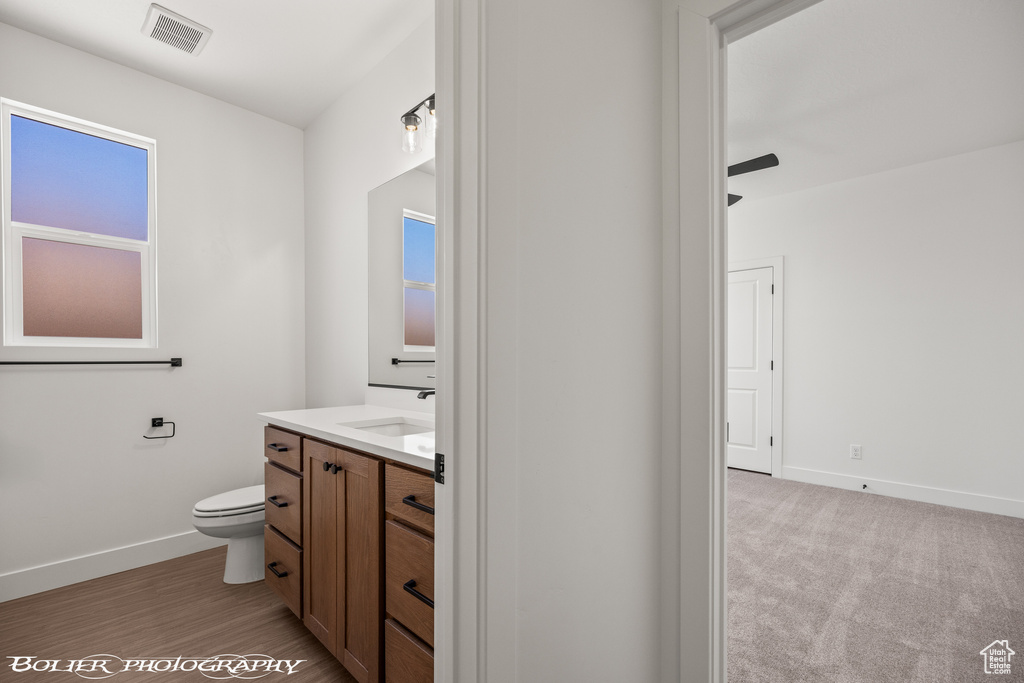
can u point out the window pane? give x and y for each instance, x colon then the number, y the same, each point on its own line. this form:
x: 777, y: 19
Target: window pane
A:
x: 418, y: 251
x: 61, y: 178
x: 419, y: 317
x: 72, y: 290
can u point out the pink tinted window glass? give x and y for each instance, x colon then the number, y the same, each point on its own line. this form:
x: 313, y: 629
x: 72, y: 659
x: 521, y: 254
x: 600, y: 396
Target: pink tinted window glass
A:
x: 61, y: 178
x: 419, y: 317
x: 73, y: 290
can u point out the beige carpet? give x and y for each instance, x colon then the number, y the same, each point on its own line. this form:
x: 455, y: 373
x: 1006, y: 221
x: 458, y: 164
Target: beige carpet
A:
x: 835, y: 586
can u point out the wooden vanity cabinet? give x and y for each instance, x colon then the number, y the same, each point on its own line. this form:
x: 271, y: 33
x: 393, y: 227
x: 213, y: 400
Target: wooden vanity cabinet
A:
x: 349, y: 545
x: 342, y: 523
x: 282, y: 535
x: 409, y: 576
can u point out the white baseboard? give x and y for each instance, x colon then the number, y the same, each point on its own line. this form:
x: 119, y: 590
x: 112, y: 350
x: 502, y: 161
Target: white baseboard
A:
x: 924, y: 494
x: 76, y: 569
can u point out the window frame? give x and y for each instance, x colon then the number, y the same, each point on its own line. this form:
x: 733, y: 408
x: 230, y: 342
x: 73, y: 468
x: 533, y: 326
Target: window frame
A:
x: 412, y: 284
x: 14, y: 232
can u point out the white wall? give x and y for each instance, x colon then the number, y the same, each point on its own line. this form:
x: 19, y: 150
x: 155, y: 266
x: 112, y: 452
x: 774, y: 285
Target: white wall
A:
x: 903, y: 327
x: 77, y: 478
x: 350, y: 149
x: 555, y: 464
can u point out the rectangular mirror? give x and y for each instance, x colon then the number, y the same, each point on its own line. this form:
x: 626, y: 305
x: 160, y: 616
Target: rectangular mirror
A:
x: 401, y: 246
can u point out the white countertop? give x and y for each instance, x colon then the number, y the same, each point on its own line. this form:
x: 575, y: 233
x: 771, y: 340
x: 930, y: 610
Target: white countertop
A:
x: 323, y: 423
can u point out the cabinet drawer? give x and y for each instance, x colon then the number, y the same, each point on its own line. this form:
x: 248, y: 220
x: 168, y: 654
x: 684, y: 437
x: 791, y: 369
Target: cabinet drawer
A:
x: 284, y: 501
x: 285, y: 558
x: 283, y: 448
x: 410, y: 565
x: 407, y: 659
x: 402, y: 487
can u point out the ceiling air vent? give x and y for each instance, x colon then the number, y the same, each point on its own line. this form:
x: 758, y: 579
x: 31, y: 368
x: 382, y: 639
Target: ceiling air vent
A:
x: 175, y: 30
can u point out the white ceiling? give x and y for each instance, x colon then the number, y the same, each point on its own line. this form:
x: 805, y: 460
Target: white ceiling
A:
x: 851, y: 87
x: 842, y: 89
x: 286, y: 59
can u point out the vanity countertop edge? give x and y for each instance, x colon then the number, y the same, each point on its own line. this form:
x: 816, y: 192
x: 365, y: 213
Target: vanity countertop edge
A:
x: 416, y: 450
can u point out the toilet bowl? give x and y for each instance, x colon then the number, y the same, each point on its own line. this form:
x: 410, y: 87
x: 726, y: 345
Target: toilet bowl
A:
x: 239, y: 517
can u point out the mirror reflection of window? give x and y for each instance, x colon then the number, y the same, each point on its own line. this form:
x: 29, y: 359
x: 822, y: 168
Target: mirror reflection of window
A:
x: 419, y: 280
x: 402, y: 280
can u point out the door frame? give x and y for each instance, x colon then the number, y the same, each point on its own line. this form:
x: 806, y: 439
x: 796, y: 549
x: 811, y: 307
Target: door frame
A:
x: 776, y: 263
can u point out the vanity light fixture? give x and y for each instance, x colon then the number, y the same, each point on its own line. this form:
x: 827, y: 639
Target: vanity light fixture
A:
x: 412, y: 124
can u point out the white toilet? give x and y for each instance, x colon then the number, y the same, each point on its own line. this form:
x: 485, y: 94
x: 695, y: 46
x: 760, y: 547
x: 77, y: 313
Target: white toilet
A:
x: 237, y: 516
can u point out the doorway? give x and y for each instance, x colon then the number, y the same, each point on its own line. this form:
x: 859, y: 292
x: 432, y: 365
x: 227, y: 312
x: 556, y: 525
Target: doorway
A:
x: 840, y: 399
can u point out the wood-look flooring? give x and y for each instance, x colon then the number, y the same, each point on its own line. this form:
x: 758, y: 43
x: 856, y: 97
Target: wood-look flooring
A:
x: 180, y: 607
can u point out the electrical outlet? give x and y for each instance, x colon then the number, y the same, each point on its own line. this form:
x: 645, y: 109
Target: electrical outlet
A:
x: 855, y: 451
x: 157, y: 422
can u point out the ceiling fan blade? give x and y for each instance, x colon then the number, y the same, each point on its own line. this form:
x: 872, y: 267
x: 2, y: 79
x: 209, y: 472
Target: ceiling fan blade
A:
x: 767, y: 161
x: 733, y: 198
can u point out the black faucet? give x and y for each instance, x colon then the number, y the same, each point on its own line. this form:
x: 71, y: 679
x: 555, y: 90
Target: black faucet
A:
x: 424, y: 394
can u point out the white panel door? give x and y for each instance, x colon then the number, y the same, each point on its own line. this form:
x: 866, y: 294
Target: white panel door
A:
x: 750, y: 370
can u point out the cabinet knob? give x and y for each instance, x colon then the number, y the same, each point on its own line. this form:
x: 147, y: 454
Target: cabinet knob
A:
x: 334, y: 469
x: 327, y: 466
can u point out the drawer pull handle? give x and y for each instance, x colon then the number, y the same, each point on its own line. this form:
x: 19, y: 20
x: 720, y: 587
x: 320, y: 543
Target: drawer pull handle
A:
x: 411, y: 500
x: 273, y: 499
x: 327, y: 466
x: 276, y: 447
x: 410, y: 587
x: 281, y: 575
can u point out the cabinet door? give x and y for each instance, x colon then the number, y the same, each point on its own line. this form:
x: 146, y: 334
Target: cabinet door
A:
x: 410, y: 579
x: 409, y: 496
x: 283, y: 573
x: 360, y: 547
x: 283, y: 448
x: 320, y: 522
x: 284, y: 501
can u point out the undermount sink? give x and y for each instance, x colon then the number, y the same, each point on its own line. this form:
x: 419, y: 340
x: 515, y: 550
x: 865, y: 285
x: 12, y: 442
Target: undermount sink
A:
x: 391, y: 426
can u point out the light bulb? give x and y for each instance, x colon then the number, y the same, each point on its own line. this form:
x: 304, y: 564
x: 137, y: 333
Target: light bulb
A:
x: 411, y: 138
x: 411, y: 141
x: 431, y: 118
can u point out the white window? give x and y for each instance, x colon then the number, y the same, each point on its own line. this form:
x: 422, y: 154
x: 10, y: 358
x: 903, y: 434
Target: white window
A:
x: 419, y: 280
x: 79, y: 232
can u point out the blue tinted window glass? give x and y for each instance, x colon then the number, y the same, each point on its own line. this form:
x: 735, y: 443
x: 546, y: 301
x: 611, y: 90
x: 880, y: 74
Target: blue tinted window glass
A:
x: 418, y: 251
x: 65, y: 179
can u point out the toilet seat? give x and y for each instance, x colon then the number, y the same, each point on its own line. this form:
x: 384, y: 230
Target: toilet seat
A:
x: 227, y: 513
x: 231, y: 503
x: 222, y: 525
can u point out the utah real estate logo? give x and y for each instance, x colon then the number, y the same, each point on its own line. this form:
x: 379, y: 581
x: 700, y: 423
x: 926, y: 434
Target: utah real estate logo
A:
x: 997, y: 657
